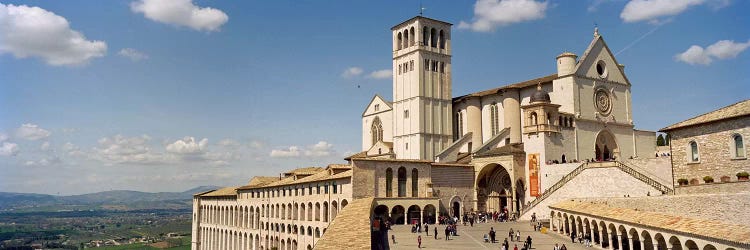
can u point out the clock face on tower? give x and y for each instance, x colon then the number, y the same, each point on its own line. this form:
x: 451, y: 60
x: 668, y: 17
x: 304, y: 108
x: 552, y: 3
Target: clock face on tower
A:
x: 603, y: 101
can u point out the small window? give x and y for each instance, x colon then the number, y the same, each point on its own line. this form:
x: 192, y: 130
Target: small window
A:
x: 694, y: 155
x: 377, y: 107
x: 739, y: 146
x: 407, y: 146
x: 335, y: 188
x: 406, y: 113
x: 442, y: 67
x: 426, y: 64
x: 601, y: 69
x: 411, y: 65
x: 399, y: 69
x: 326, y: 188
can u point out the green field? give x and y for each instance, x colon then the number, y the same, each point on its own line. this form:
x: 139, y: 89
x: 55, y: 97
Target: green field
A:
x: 185, y: 246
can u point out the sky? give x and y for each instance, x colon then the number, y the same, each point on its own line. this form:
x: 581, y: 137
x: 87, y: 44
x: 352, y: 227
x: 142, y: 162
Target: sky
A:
x: 167, y: 95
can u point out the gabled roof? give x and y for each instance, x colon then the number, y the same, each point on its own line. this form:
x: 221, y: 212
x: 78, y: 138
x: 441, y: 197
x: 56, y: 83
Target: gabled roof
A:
x: 528, y: 83
x: 362, y: 154
x: 420, y: 17
x: 258, y: 181
x: 305, y: 171
x: 585, y: 55
x: 739, y: 109
x: 387, y: 103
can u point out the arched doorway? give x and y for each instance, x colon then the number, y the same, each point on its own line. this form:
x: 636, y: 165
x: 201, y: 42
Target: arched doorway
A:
x: 605, y: 147
x: 520, y: 194
x: 414, y: 215
x: 429, y: 214
x: 397, y: 215
x: 455, y: 207
x: 381, y: 212
x: 493, y: 187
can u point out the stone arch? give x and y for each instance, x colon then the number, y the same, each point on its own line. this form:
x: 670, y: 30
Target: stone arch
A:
x: 579, y: 225
x: 690, y: 245
x: 334, y: 209
x: 414, y: 182
x: 433, y: 38
x: 289, y: 211
x: 317, y: 211
x: 648, y: 242
x: 493, y: 188
x: 674, y: 242
x: 430, y: 214
x: 414, y: 214
x: 397, y: 214
x: 586, y: 226
x: 412, y: 38
x: 399, y: 41
x: 441, y: 39
x: 605, y: 146
x: 401, y: 182
x: 624, y: 238
x: 709, y: 247
x: 344, y: 203
x: 605, y: 239
x: 389, y: 182
x: 635, y: 238
x: 380, y: 212
x: 325, y: 211
x: 376, y: 130
x: 309, y: 211
x: 309, y: 231
x: 406, y: 38
x: 595, y: 237
x: 302, y: 211
x: 612, y: 232
x: 317, y: 232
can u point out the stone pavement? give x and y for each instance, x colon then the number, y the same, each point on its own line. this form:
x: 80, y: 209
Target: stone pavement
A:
x: 473, y: 237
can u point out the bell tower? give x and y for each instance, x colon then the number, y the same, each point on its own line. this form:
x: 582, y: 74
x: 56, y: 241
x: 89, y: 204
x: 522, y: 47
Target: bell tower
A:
x: 422, y: 99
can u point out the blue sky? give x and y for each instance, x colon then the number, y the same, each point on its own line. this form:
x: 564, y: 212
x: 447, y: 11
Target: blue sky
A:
x: 143, y: 95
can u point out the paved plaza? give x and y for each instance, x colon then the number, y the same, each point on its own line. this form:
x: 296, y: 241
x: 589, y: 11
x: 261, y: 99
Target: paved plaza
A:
x: 473, y: 237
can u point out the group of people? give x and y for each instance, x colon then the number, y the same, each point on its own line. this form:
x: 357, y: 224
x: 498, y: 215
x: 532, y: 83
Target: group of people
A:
x: 584, y: 239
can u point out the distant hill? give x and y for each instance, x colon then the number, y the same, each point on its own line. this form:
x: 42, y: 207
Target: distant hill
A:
x: 116, y: 199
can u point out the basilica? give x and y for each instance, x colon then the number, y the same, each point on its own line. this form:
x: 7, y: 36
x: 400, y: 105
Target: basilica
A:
x: 521, y: 148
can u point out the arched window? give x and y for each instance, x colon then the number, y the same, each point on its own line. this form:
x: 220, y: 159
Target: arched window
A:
x: 425, y: 36
x: 493, y: 119
x: 694, y: 156
x: 401, y: 182
x: 389, y: 182
x: 411, y: 36
x: 739, y: 146
x: 399, y: 41
x: 433, y: 38
x: 406, y: 39
x: 442, y: 40
x: 560, y: 121
x: 533, y: 118
x: 414, y: 183
x: 376, y: 130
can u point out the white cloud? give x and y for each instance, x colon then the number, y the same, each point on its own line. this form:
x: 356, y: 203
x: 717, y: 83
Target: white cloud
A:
x: 44, y: 162
x: 8, y: 149
x: 293, y: 151
x: 44, y: 146
x: 32, y: 132
x: 319, y: 149
x: 489, y: 14
x: 120, y: 149
x: 3, y: 137
x: 188, y: 145
x: 652, y: 10
x: 181, y: 13
x: 132, y: 54
x: 72, y: 149
x: 35, y: 32
x: 352, y: 72
x: 381, y: 74
x: 322, y: 148
x: 724, y: 49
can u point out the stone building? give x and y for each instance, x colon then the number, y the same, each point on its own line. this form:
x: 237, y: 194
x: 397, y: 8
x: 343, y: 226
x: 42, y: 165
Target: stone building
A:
x: 709, y: 150
x: 516, y: 148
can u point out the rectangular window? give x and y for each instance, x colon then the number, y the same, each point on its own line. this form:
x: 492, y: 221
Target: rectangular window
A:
x: 426, y: 64
x: 442, y: 67
x: 326, y: 188
x: 335, y: 188
x: 399, y: 69
x: 318, y: 191
x: 309, y: 190
x: 411, y: 65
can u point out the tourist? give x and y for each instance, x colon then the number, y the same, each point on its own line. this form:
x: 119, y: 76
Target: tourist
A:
x: 564, y: 247
x: 556, y: 247
x: 419, y: 241
x: 515, y: 247
x: 510, y: 234
x: 528, y: 242
x: 426, y: 229
x: 505, y: 243
x: 486, y: 238
x: 393, y: 237
x: 447, y: 232
x: 518, y: 235
x: 492, y: 234
x: 435, y: 233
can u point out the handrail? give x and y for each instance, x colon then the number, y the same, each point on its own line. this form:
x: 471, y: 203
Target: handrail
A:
x: 622, y: 166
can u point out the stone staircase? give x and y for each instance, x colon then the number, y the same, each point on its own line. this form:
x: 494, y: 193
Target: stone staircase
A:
x: 609, y: 164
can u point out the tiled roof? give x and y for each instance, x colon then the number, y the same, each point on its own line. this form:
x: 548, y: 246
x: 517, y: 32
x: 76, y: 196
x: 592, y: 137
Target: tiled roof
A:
x: 227, y: 191
x: 737, y: 233
x: 305, y: 171
x: 357, y: 155
x: 735, y: 110
x: 258, y: 181
x: 510, y: 149
x: 528, y: 83
x: 350, y: 229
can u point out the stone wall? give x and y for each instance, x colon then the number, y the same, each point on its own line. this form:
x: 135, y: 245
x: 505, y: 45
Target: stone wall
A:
x: 715, y: 141
x: 369, y: 177
x: 659, y: 169
x: 452, y: 183
x: 714, y: 188
x: 551, y: 174
x: 594, y: 182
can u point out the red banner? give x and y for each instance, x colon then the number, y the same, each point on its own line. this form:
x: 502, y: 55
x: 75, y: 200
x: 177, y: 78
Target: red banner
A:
x: 533, y: 174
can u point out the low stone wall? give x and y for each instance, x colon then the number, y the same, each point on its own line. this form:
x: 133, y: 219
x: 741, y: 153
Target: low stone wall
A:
x: 659, y: 169
x: 715, y: 188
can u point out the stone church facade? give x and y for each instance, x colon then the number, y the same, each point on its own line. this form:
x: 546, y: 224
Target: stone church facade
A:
x: 428, y: 153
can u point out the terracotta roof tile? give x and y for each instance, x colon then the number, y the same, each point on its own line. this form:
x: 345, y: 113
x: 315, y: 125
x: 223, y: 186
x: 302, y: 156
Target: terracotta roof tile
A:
x: 528, y: 83
x: 735, y: 110
x: 227, y: 191
x: 350, y: 229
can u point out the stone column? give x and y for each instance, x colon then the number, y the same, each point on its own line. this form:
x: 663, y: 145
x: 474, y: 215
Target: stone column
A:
x: 421, y: 216
x: 630, y: 243
x: 512, y: 114
x: 620, y: 240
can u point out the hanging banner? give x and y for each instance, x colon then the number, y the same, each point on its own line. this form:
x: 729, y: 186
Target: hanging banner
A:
x: 533, y: 174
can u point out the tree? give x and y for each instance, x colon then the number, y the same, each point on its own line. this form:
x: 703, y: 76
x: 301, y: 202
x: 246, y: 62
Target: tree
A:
x: 660, y: 140
x: 667, y: 140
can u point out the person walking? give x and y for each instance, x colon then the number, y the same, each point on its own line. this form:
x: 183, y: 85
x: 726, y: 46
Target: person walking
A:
x: 393, y: 237
x: 435, y: 233
x: 528, y: 241
x: 510, y: 234
x: 518, y: 235
x: 515, y: 247
x: 556, y: 247
x: 447, y: 233
x: 427, y: 229
x: 492, y: 234
x: 419, y: 241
